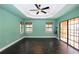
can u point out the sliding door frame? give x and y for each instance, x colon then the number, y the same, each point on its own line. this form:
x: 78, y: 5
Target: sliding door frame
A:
x: 67, y: 32
x: 60, y: 30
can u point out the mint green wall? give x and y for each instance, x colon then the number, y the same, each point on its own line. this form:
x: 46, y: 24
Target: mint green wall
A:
x: 9, y: 27
x: 73, y: 13
x: 13, y: 10
x: 39, y: 27
x: 9, y: 24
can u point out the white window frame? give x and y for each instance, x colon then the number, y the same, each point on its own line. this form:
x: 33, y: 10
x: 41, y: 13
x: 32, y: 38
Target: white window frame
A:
x: 21, y: 27
x: 28, y: 27
x: 48, y: 27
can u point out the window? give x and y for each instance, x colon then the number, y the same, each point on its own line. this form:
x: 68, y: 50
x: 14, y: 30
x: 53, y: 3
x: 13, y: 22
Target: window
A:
x: 49, y: 27
x: 21, y: 27
x: 28, y: 26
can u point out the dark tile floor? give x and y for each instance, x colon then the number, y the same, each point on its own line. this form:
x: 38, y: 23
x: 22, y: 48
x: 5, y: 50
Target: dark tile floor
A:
x: 40, y: 46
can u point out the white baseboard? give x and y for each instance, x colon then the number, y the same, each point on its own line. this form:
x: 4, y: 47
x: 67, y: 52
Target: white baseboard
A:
x: 40, y: 37
x: 2, y: 49
x: 57, y: 38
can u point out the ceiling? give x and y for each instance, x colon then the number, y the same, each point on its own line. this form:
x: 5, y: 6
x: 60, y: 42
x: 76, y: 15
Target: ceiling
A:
x: 22, y: 10
x: 51, y: 12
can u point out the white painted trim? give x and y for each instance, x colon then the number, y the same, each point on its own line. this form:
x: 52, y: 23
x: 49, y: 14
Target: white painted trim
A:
x: 57, y: 38
x: 40, y: 37
x: 10, y: 44
x: 2, y: 49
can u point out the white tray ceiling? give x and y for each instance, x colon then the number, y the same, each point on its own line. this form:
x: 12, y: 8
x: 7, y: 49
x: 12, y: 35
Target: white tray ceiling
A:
x: 53, y: 9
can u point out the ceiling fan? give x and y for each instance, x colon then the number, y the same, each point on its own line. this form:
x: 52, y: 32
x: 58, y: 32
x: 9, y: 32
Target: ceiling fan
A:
x: 40, y: 9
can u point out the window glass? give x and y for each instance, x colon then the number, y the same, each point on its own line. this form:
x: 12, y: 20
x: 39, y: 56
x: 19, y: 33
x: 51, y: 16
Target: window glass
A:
x: 63, y: 31
x: 48, y: 27
x: 73, y: 32
x: 28, y: 26
x: 21, y: 27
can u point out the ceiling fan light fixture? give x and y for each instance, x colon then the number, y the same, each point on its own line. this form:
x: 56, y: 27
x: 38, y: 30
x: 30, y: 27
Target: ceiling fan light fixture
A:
x: 40, y: 9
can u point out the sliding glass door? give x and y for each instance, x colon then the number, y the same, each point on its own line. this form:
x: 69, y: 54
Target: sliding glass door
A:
x: 69, y: 32
x: 63, y: 31
x: 73, y: 33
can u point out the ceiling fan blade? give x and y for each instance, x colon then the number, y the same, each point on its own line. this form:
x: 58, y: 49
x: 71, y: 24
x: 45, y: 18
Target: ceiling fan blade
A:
x: 45, y: 8
x: 37, y: 6
x: 43, y: 11
x: 37, y: 12
x: 33, y: 10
